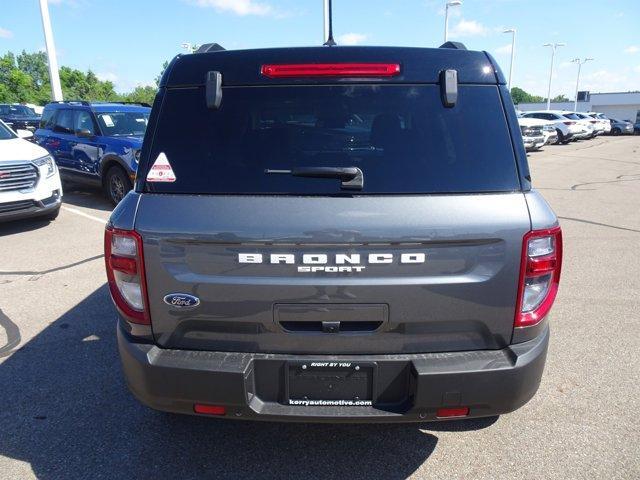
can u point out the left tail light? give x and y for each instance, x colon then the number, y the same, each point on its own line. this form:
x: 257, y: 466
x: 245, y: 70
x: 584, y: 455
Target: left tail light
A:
x: 539, y: 275
x: 125, y: 273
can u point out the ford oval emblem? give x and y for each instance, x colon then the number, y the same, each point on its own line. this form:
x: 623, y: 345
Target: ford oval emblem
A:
x: 181, y: 300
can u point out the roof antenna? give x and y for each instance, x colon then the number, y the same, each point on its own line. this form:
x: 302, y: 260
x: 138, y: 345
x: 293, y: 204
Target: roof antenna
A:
x: 328, y: 29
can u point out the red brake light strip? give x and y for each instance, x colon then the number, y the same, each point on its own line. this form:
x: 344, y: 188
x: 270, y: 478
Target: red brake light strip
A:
x: 330, y: 70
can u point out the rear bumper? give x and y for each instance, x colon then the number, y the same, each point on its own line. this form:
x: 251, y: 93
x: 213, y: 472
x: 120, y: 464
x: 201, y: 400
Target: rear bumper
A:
x: 407, y: 388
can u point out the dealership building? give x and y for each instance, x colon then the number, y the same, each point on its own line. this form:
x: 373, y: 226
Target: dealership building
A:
x: 618, y: 105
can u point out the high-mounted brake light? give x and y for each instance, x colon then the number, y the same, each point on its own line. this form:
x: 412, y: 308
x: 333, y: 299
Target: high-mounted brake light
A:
x: 330, y: 70
x: 125, y: 273
x: 539, y: 275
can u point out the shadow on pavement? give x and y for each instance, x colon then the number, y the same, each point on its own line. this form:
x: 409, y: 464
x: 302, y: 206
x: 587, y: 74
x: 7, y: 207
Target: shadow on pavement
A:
x: 85, y: 196
x: 67, y: 412
x: 24, y: 225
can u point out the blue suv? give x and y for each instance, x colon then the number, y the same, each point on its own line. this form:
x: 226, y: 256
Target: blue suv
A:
x: 95, y: 143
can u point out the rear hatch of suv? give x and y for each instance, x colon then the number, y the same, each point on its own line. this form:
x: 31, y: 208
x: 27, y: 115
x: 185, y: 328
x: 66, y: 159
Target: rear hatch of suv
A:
x: 423, y: 255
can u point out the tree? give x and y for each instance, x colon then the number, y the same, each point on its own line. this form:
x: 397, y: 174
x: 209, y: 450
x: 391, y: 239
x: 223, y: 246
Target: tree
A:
x: 520, y: 96
x: 25, y: 79
x: 77, y: 85
x: 35, y: 65
x: 141, y: 94
x: 560, y: 98
x: 164, y: 67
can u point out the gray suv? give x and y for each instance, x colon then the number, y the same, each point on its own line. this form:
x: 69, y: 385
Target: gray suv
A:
x: 333, y: 234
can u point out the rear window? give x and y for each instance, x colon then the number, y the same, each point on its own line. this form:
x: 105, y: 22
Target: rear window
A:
x: 400, y: 136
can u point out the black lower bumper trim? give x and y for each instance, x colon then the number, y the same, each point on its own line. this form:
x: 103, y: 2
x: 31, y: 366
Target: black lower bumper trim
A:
x: 30, y: 208
x: 408, y: 387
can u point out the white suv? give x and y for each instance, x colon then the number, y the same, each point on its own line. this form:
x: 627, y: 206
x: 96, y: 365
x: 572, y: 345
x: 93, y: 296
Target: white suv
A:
x: 565, y: 128
x: 29, y: 179
x: 602, y: 119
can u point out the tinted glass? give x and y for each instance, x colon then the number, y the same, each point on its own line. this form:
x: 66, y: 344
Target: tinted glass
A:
x: 46, y: 121
x: 5, y: 133
x: 16, y: 110
x: 83, y: 121
x: 400, y: 136
x: 123, y: 124
x: 572, y: 116
x: 63, y: 122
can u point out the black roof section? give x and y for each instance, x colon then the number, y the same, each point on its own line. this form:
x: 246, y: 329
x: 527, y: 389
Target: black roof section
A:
x: 417, y: 65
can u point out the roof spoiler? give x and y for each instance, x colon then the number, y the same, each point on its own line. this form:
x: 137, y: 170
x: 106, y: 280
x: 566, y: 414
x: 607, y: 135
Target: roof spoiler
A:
x: 453, y: 45
x: 209, y: 47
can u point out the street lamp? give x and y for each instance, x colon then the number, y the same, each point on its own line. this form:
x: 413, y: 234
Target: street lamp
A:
x: 190, y: 47
x: 553, y: 54
x: 54, y: 77
x: 580, y: 63
x: 513, y: 49
x: 452, y: 3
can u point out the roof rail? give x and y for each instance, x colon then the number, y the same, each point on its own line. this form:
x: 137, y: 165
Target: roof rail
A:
x: 142, y: 104
x: 81, y: 102
x: 87, y: 103
x: 453, y: 45
x: 209, y: 47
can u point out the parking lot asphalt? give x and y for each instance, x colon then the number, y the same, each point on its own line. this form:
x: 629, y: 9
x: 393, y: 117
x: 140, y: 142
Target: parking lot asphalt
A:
x: 65, y: 411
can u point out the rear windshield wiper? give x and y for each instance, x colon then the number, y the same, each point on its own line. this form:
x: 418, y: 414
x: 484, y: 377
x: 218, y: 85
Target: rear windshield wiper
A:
x: 351, y: 178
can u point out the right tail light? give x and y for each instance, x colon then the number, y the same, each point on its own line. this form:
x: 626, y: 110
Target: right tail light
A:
x: 539, y: 275
x: 125, y: 273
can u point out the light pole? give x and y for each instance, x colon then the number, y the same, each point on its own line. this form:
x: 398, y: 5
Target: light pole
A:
x: 513, y: 49
x: 190, y: 47
x: 54, y: 76
x: 452, y: 3
x: 553, y: 54
x: 580, y: 63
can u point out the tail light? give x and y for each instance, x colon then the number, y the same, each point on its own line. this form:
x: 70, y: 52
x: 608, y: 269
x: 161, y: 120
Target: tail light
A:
x: 125, y: 273
x: 569, y: 123
x: 539, y: 275
x: 331, y: 70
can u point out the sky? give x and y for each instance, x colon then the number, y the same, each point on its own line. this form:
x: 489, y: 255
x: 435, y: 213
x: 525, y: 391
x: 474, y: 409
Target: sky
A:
x: 127, y: 41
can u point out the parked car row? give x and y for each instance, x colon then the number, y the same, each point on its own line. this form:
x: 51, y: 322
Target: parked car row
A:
x: 568, y: 126
x: 89, y: 143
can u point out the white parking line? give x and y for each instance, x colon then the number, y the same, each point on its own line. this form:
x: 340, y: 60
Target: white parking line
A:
x: 86, y: 215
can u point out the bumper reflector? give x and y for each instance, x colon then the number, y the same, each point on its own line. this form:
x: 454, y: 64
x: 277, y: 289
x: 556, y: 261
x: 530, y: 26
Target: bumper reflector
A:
x: 452, y: 412
x: 209, y: 409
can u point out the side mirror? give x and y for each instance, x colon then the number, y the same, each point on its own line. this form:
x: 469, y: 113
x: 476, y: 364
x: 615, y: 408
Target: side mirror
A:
x: 84, y: 133
x: 24, y: 133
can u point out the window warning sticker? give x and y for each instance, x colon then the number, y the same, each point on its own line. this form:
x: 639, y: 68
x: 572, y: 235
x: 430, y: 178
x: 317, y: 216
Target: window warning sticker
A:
x: 161, y: 170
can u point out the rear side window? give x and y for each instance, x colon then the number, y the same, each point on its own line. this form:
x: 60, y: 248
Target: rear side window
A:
x: 400, y: 136
x: 63, y: 121
x: 46, y: 121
